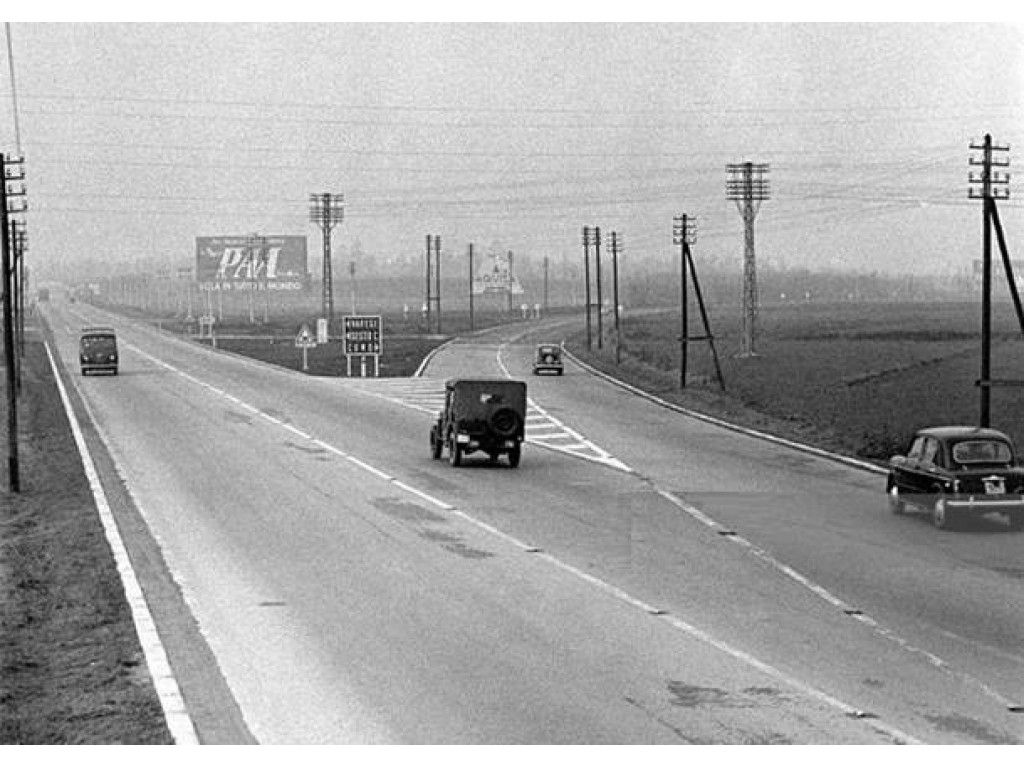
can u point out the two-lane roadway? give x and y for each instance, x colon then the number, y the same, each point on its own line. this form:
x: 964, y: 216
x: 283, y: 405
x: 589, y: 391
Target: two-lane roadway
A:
x: 642, y: 577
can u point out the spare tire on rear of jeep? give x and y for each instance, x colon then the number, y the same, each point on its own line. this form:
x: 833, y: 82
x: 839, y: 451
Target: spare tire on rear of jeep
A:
x: 505, y: 422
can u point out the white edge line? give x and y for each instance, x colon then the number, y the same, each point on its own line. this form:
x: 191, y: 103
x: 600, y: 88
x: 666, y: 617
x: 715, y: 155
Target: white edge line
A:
x: 179, y: 722
x: 370, y: 468
x: 430, y: 356
x: 422, y: 494
x: 726, y: 424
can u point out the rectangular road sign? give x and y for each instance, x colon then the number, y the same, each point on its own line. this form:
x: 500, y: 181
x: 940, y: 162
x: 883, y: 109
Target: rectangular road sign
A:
x: 361, y: 335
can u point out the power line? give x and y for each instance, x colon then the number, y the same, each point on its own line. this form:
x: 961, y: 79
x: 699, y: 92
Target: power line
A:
x: 785, y: 119
x: 701, y: 108
x: 885, y: 156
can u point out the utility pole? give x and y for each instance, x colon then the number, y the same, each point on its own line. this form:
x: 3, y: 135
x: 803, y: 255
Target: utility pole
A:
x: 597, y: 271
x: 545, y: 286
x: 437, y: 256
x: 14, y: 89
x: 615, y: 292
x: 430, y: 288
x: 511, y: 282
x: 587, y: 241
x: 10, y: 171
x: 993, y: 185
x: 748, y: 187
x: 682, y: 235
x: 683, y: 231
x: 19, y: 244
x: 352, y: 282
x: 326, y: 210
x: 434, y: 295
x: 472, y: 326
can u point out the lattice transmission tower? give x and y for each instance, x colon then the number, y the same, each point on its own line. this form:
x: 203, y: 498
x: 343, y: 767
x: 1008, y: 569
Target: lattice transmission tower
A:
x: 748, y: 186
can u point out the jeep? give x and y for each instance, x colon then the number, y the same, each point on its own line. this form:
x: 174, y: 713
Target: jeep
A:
x: 487, y: 415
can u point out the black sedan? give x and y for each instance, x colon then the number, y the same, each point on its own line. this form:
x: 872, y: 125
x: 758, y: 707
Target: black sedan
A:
x: 548, y: 358
x: 958, y: 472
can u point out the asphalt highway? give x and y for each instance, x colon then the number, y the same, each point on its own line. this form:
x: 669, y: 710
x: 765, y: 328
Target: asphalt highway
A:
x: 642, y: 577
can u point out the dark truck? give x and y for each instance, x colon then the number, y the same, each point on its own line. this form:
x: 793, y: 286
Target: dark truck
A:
x: 97, y: 350
x: 487, y: 415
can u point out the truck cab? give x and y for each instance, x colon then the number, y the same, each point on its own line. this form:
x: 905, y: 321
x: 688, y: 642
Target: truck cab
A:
x: 97, y: 350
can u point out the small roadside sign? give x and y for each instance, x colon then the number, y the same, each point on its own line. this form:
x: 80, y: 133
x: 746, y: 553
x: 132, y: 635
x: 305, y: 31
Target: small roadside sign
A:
x: 206, y: 328
x: 305, y: 338
x: 305, y: 341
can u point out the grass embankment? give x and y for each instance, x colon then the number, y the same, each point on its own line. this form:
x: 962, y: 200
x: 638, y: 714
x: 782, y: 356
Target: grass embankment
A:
x: 858, y: 379
x: 72, y: 670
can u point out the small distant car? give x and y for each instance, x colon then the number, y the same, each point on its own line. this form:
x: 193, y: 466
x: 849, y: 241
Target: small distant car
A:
x: 97, y: 350
x: 957, y: 472
x: 548, y: 358
x: 487, y: 415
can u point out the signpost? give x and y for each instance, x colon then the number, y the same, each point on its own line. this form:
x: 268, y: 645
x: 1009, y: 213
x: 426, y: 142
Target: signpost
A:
x: 362, y: 338
x: 206, y: 328
x: 305, y: 342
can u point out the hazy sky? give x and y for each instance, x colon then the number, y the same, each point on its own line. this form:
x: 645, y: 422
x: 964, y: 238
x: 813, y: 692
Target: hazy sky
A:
x: 140, y: 137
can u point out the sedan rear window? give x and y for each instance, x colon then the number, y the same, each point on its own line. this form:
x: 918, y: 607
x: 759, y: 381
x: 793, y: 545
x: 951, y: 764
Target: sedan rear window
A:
x: 982, y: 452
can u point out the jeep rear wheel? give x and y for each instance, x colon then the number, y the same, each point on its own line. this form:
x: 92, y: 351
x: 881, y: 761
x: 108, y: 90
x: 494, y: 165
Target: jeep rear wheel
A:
x: 454, y: 452
x: 436, y: 444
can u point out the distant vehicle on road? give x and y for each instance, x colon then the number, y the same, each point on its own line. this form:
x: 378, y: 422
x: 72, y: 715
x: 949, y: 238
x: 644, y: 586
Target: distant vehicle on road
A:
x: 487, y: 415
x: 548, y: 358
x: 97, y: 350
x: 957, y: 472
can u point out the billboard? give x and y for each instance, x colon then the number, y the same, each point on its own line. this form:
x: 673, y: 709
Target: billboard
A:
x: 498, y: 278
x: 242, y: 262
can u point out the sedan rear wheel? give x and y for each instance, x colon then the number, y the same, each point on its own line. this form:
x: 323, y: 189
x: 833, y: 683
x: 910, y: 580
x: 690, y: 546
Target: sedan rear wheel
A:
x: 942, y: 516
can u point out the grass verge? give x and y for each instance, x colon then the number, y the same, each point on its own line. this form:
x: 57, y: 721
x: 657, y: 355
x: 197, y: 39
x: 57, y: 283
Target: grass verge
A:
x: 72, y: 670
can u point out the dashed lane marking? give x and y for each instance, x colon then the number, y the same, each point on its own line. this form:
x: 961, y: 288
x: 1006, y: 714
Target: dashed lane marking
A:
x: 543, y: 429
x: 677, y: 622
